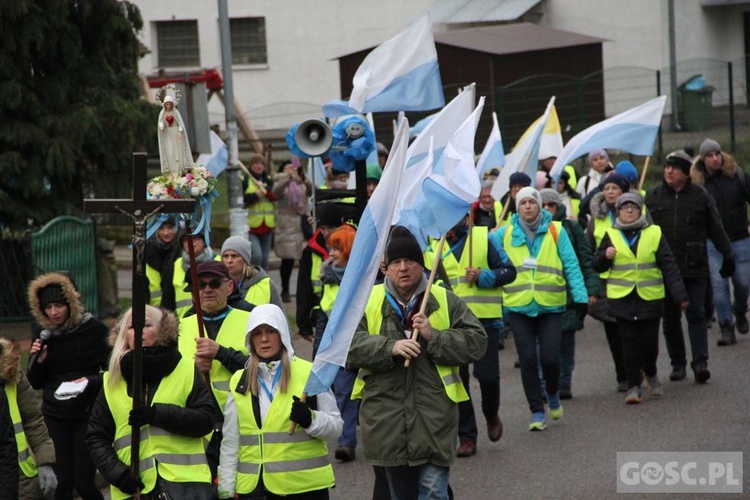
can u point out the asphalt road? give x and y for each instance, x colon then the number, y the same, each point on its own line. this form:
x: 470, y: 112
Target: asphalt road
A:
x: 576, y: 456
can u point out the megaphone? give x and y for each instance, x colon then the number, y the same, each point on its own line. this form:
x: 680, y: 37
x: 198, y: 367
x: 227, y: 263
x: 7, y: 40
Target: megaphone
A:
x: 310, y: 138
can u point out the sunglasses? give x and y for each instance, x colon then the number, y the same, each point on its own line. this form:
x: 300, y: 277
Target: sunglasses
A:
x: 214, y: 284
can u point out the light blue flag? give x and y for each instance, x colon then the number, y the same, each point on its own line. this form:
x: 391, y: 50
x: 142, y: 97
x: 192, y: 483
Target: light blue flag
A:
x: 447, y: 194
x: 361, y: 270
x: 420, y: 125
x: 216, y: 162
x: 493, y: 155
x: 372, y: 158
x: 402, y: 74
x: 633, y: 131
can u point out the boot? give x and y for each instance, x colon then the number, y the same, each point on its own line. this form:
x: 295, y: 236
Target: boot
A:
x: 727, y: 334
x: 741, y: 321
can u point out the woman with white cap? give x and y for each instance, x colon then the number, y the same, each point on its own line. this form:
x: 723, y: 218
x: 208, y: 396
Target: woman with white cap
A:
x: 259, y: 458
x: 546, y: 266
x: 252, y: 282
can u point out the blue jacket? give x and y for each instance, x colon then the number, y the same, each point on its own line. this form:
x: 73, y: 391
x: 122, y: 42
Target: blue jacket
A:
x: 567, y: 254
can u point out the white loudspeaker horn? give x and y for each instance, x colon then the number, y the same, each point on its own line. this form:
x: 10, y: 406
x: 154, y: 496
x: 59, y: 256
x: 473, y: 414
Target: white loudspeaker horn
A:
x: 313, y: 137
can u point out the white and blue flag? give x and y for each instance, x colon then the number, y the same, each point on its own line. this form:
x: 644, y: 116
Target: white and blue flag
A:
x: 493, y: 154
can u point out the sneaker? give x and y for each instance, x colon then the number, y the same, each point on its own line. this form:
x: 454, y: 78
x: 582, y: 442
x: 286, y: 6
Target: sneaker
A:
x: 285, y: 297
x: 634, y: 396
x: 727, y: 334
x: 494, y: 428
x: 517, y: 364
x: 566, y: 393
x: 678, y: 373
x: 655, y: 387
x: 622, y: 386
x: 466, y: 448
x: 700, y: 370
x: 555, y: 406
x: 345, y: 453
x: 741, y: 322
x: 537, y: 422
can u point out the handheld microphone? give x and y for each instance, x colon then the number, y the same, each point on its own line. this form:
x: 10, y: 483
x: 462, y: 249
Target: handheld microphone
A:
x: 43, y: 337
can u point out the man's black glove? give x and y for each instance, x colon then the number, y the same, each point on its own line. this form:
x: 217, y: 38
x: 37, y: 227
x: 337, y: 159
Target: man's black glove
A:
x: 301, y: 413
x: 727, y: 268
x: 129, y: 484
x: 582, y: 309
x: 142, y: 415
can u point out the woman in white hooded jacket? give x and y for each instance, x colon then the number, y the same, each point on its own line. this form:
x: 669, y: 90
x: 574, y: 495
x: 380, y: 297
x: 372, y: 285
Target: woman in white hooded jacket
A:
x: 260, y: 458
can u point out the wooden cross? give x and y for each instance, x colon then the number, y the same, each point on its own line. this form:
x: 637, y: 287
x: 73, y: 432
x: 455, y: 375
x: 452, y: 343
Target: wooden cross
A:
x: 139, y: 209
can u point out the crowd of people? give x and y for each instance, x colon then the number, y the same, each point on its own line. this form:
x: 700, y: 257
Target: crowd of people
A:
x: 224, y: 414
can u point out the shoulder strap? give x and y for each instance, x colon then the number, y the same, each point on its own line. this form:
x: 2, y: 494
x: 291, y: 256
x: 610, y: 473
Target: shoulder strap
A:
x: 552, y: 230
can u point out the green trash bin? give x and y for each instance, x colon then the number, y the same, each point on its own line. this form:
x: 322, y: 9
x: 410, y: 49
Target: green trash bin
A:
x: 695, y: 105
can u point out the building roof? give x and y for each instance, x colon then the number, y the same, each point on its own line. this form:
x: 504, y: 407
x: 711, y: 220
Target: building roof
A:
x: 513, y: 38
x: 477, y: 11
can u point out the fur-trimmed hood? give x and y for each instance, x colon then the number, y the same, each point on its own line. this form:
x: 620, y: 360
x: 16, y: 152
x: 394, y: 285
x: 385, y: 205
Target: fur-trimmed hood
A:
x: 166, y: 335
x: 698, y: 170
x: 598, y: 206
x: 10, y: 361
x: 69, y: 292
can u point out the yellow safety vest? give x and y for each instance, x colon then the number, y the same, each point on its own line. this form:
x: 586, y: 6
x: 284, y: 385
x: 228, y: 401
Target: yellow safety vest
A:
x: 439, y: 320
x: 180, y: 459
x: 600, y: 229
x: 317, y: 285
x: 25, y: 457
x: 484, y: 302
x: 544, y: 283
x: 262, y: 211
x: 636, y: 271
x: 291, y: 464
x: 330, y: 291
x: 231, y: 334
x: 260, y: 292
x: 154, y: 286
x: 575, y: 206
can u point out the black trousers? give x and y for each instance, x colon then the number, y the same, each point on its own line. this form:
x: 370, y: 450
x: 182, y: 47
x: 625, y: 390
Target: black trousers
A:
x: 74, y: 467
x: 640, y: 348
x: 615, y: 347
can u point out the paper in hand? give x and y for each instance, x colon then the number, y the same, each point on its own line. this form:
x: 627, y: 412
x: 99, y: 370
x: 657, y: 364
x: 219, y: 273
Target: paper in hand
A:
x: 69, y: 390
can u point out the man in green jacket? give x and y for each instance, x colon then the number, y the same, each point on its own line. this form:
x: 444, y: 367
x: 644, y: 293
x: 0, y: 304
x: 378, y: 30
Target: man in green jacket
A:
x: 409, y: 415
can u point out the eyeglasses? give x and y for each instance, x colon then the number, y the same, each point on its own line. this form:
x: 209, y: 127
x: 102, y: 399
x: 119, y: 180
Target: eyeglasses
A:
x: 547, y: 205
x: 214, y: 284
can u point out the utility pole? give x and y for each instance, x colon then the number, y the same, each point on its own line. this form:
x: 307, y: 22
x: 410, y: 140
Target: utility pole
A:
x: 673, y: 67
x: 237, y: 212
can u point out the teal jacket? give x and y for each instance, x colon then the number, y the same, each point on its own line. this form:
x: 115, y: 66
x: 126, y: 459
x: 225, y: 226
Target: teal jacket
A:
x: 571, y: 268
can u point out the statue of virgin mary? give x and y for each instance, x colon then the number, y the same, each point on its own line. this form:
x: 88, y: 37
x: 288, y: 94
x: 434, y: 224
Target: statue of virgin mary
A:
x: 174, y: 147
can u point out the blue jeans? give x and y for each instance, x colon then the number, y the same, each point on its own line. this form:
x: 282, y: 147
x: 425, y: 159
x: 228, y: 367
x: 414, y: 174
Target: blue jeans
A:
x: 342, y: 389
x: 567, y: 357
x: 423, y: 482
x: 740, y: 280
x: 696, y: 319
x: 527, y: 332
x: 487, y: 372
x: 261, y: 249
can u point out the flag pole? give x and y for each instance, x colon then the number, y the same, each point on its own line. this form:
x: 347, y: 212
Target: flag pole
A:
x: 433, y: 272
x: 471, y: 240
x: 643, y: 172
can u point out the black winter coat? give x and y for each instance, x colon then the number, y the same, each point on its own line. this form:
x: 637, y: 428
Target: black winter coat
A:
x: 687, y: 219
x: 632, y: 307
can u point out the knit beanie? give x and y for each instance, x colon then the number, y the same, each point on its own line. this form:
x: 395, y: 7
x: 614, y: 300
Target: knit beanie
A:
x: 51, y: 294
x: 597, y: 152
x: 629, y: 198
x: 519, y: 179
x: 240, y: 245
x: 627, y: 170
x: 528, y: 192
x: 403, y: 245
x: 619, y: 180
x: 681, y: 160
x: 549, y: 195
x: 707, y: 146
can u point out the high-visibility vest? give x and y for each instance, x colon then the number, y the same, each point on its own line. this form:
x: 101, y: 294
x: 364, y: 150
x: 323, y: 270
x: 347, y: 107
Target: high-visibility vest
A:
x: 291, y: 464
x: 25, y: 457
x: 183, y: 300
x: 485, y: 303
x: 262, y: 211
x: 439, y: 320
x: 600, y: 229
x: 636, y: 271
x: 231, y: 334
x: 575, y: 206
x: 545, y: 283
x: 260, y: 292
x: 317, y: 285
x: 330, y: 291
x: 154, y: 286
x: 180, y: 459
x: 498, y: 208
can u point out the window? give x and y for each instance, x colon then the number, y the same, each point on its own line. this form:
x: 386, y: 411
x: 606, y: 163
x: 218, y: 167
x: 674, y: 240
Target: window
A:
x: 248, y: 40
x: 178, y: 43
